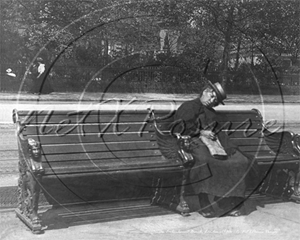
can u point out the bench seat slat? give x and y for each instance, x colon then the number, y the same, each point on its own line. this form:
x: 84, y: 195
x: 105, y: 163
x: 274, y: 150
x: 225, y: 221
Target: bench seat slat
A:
x: 118, y: 147
x: 93, y: 138
x: 273, y: 157
x: 138, y: 163
x: 118, y: 136
x: 247, y: 142
x: 106, y: 166
x: 284, y: 163
x: 251, y: 148
x: 132, y: 127
x: 237, y: 137
x: 98, y: 147
x: 101, y: 155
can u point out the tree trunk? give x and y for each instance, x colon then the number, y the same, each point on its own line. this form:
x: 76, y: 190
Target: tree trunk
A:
x: 227, y: 44
x: 237, y: 57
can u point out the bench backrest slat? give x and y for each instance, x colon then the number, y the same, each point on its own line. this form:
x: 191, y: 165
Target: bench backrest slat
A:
x: 48, y: 117
x: 58, y: 129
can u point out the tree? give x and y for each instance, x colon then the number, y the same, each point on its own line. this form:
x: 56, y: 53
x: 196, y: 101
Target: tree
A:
x: 90, y: 35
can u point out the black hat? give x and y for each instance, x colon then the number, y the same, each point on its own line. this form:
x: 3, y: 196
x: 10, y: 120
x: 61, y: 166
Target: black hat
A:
x: 221, y: 95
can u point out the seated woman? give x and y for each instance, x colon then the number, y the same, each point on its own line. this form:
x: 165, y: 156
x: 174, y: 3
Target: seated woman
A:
x: 227, y: 179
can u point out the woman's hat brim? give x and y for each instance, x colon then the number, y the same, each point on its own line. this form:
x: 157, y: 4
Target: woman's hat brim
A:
x: 221, y: 95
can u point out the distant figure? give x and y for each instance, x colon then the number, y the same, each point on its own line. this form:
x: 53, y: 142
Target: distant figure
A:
x: 41, y: 83
x: 10, y: 73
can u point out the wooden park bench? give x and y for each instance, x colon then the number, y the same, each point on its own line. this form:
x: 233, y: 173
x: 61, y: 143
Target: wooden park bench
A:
x: 112, y: 155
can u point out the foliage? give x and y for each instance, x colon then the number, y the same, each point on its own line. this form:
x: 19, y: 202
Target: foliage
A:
x: 86, y: 39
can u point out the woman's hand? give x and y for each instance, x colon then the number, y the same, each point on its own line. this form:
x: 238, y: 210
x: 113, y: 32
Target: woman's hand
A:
x: 208, y: 133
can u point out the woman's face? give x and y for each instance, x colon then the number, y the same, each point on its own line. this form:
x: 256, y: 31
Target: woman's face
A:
x: 209, y: 98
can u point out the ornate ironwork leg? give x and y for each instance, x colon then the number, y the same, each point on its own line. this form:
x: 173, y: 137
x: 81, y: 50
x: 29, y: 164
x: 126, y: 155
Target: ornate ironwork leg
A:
x: 29, y: 190
x: 34, y: 192
x: 30, y: 170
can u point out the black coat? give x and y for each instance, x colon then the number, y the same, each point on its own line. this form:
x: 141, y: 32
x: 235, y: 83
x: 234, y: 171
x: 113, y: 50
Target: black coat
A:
x: 209, y: 175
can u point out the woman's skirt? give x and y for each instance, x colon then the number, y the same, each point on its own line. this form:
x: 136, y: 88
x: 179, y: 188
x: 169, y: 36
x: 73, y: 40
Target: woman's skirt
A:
x: 223, y: 178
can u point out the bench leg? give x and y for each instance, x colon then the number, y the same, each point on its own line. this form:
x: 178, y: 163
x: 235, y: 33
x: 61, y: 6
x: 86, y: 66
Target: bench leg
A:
x: 282, y: 186
x: 183, y: 207
x: 170, y: 197
x: 278, y: 184
x: 162, y: 195
x: 29, y: 191
x: 265, y: 183
x: 296, y: 194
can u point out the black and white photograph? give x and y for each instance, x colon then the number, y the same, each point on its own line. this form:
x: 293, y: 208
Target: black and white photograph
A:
x: 150, y: 119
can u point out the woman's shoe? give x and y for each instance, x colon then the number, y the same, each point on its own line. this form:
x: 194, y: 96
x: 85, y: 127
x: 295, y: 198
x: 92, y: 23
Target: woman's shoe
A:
x: 231, y: 206
x: 234, y: 213
x: 208, y: 212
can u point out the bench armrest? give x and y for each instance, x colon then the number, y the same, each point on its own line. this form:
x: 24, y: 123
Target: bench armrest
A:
x: 283, y: 142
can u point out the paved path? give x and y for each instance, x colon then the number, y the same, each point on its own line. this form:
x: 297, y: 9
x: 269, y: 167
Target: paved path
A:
x: 278, y: 221
x: 288, y: 113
